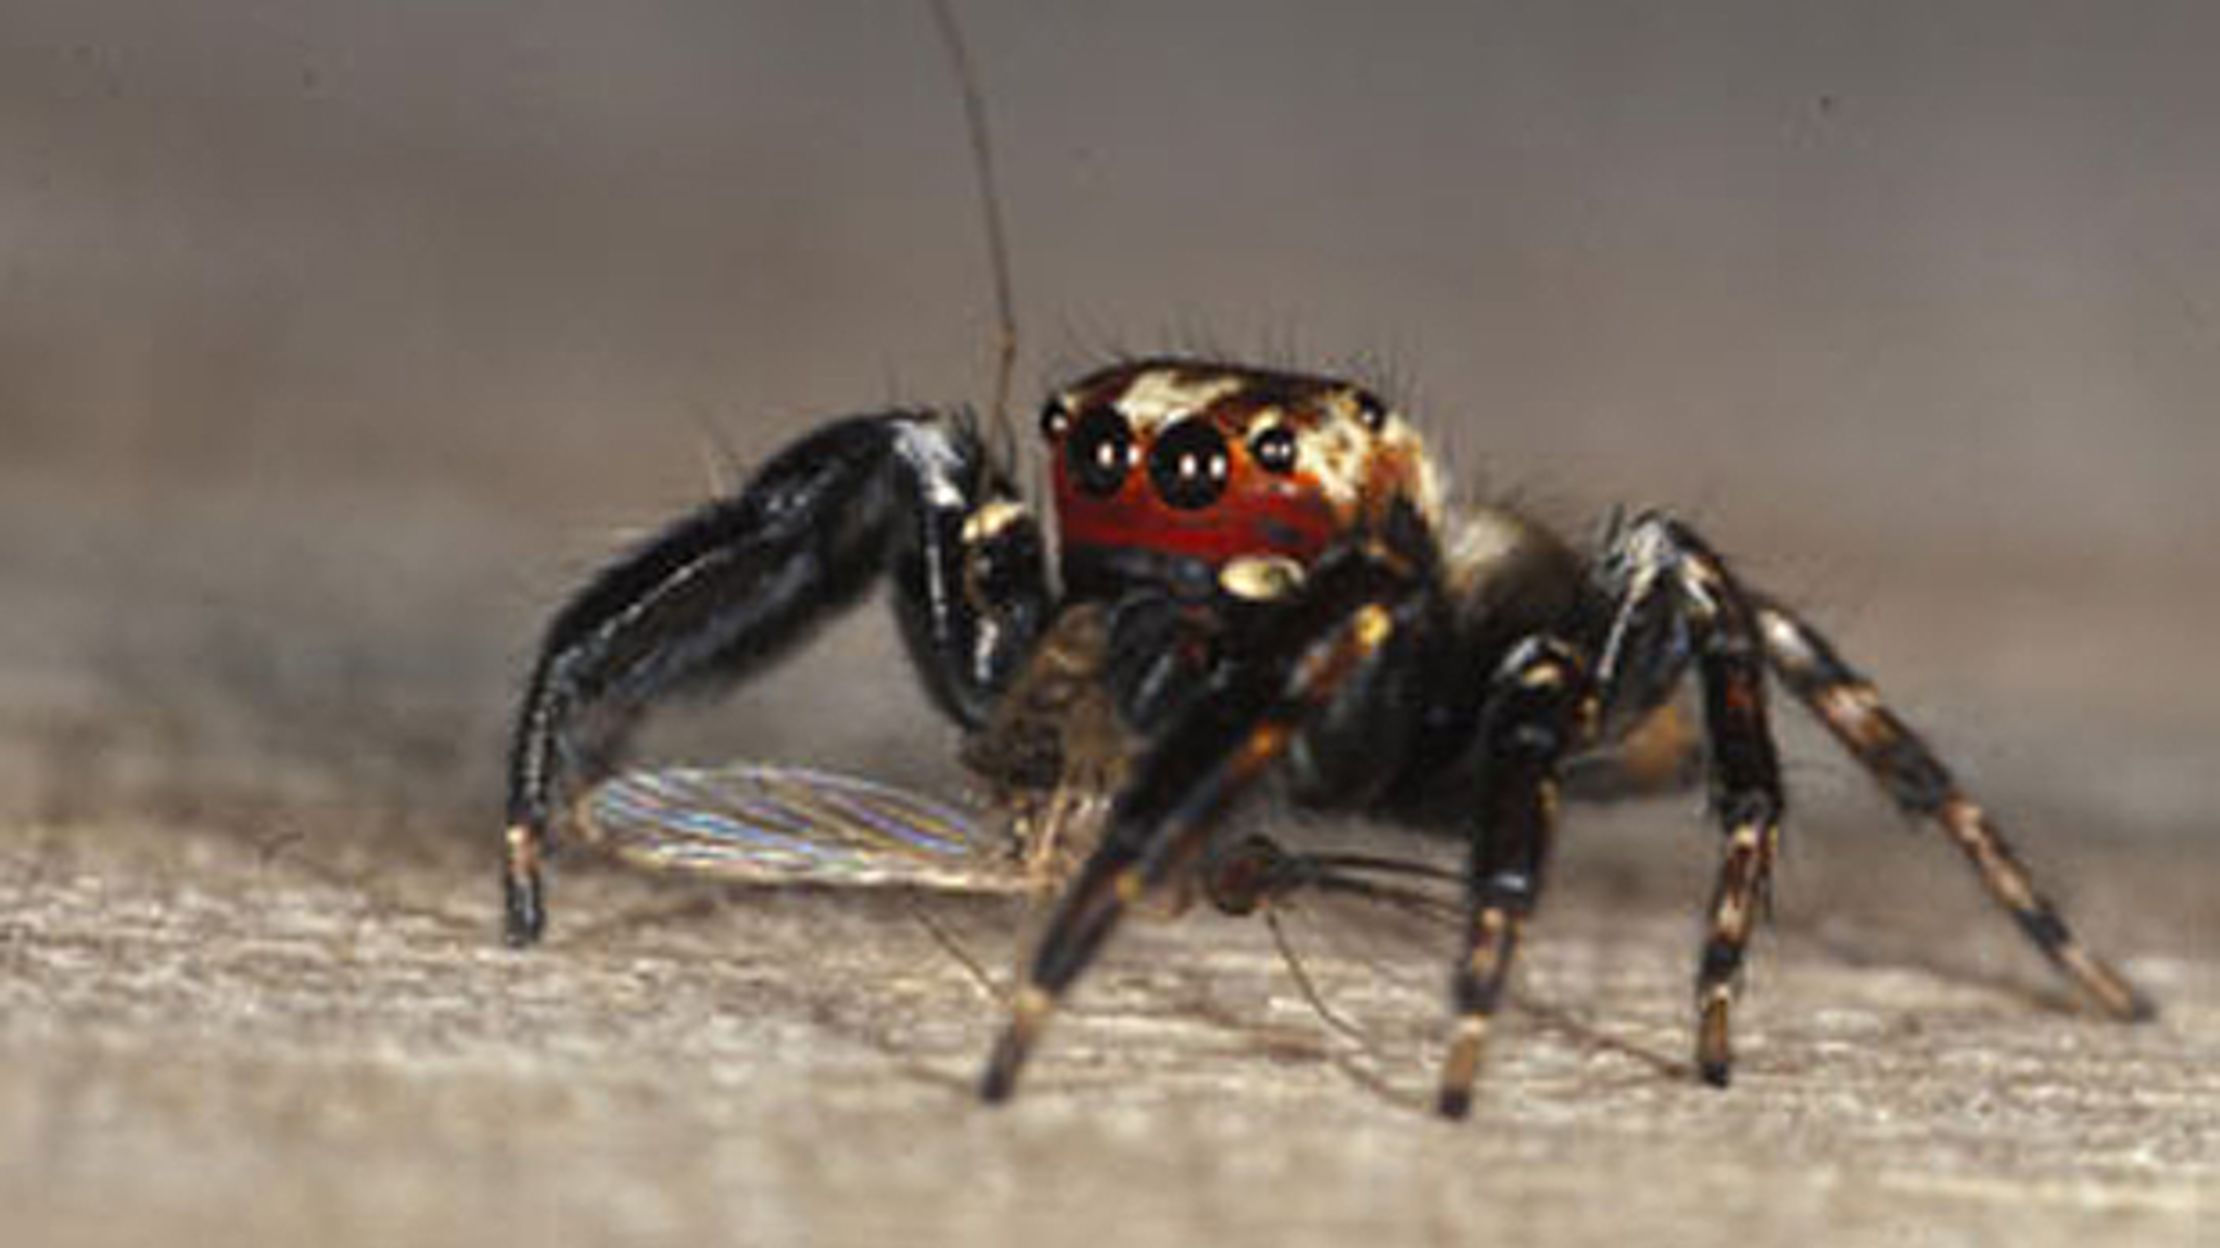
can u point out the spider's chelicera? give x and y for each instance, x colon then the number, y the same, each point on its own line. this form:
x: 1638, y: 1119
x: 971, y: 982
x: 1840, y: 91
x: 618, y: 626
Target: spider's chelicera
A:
x: 1268, y: 578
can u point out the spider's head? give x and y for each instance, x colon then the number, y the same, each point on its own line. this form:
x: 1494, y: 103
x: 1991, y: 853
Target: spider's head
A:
x: 1242, y: 474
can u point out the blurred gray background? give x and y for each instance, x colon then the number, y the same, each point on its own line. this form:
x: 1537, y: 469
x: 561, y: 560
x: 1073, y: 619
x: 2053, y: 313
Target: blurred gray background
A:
x: 339, y: 339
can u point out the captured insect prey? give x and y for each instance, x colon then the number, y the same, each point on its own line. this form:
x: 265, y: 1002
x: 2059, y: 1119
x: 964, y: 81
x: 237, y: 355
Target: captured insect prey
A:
x: 757, y: 823
x: 1245, y: 580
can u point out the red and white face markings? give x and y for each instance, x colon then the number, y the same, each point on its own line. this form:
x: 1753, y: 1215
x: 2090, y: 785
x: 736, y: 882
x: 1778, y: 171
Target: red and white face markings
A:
x: 1252, y: 472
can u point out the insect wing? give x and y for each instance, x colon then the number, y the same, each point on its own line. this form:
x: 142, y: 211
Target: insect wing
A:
x: 768, y: 824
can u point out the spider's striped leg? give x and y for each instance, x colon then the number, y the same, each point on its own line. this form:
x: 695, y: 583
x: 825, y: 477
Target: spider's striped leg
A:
x: 912, y: 496
x: 1667, y: 572
x: 1532, y: 719
x: 1235, y: 729
x: 1897, y: 758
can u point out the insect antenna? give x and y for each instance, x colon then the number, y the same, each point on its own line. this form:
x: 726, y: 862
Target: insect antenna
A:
x: 1259, y: 876
x: 990, y: 213
x: 1327, y: 1014
x: 981, y: 979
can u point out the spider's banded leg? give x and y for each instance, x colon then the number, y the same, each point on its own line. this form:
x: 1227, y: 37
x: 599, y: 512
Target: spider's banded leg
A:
x: 1667, y: 566
x: 1896, y: 756
x: 1219, y: 745
x: 1533, y: 717
x: 732, y: 586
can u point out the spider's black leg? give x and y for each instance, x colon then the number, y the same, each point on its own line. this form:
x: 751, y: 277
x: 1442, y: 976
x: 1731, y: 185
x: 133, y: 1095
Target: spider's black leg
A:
x: 1533, y: 716
x: 1674, y: 596
x: 1220, y: 743
x: 735, y: 584
x: 1853, y: 710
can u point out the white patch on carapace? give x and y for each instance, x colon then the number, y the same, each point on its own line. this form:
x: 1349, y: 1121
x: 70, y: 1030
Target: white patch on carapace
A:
x: 1401, y: 437
x: 1158, y: 396
x: 1338, y: 452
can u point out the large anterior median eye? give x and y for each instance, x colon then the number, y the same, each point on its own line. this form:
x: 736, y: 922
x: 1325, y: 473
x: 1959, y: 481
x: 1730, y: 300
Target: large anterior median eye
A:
x: 1098, y: 451
x: 1189, y: 464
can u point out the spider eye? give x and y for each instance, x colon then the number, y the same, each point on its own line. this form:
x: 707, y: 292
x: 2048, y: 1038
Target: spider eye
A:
x: 1372, y: 413
x: 1055, y: 419
x: 1099, y: 451
x: 1189, y: 464
x: 1275, y: 449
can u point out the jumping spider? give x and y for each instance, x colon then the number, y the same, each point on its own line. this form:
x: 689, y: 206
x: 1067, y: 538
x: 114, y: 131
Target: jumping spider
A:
x: 1278, y: 583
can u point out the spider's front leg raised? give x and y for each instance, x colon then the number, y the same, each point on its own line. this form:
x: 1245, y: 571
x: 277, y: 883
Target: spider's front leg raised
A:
x: 735, y: 584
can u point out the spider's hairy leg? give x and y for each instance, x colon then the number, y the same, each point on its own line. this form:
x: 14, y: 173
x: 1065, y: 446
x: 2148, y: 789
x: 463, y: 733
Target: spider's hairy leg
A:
x: 1220, y: 744
x: 1533, y: 717
x: 1675, y: 596
x: 1902, y: 763
x: 732, y: 586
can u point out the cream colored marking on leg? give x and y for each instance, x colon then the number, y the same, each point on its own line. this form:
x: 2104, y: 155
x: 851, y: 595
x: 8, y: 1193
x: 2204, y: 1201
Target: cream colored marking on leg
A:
x: 990, y: 519
x: 1460, y: 1066
x: 1855, y: 711
x: 1714, y: 1037
x: 1029, y: 1008
x: 1372, y: 626
x: 1261, y: 578
x: 1730, y: 919
x: 1968, y: 826
x: 1488, y: 939
x: 1543, y: 676
x: 2102, y: 982
x: 1786, y: 639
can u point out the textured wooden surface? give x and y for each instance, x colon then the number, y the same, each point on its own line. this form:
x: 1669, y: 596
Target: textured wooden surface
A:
x: 204, y: 1039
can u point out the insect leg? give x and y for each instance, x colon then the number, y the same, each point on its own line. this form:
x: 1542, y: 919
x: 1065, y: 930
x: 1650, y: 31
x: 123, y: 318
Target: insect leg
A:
x: 1902, y: 763
x: 1666, y: 571
x: 734, y: 585
x: 1218, y: 746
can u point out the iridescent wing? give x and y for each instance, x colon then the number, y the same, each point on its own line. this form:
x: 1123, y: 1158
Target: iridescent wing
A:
x: 769, y: 824
x: 763, y: 823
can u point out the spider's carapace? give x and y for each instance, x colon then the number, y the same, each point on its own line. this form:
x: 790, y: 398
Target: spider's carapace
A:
x: 1248, y: 473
